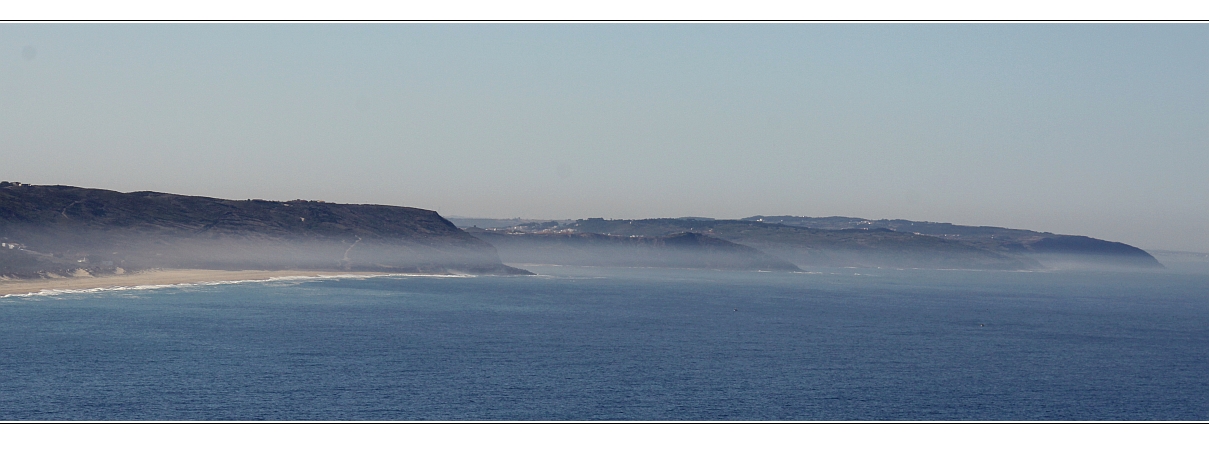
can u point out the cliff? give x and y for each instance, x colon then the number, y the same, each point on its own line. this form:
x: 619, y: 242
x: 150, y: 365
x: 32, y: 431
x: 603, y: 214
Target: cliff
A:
x: 61, y: 229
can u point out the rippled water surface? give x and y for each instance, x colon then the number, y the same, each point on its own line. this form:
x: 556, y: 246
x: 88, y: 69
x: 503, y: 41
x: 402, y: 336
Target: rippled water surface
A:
x: 619, y: 344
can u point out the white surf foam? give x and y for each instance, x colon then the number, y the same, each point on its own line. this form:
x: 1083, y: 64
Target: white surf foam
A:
x: 281, y: 279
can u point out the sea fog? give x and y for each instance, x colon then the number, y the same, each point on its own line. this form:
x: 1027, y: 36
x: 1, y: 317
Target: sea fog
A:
x: 1183, y: 261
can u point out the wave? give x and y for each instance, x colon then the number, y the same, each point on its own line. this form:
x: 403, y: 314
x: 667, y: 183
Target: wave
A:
x: 297, y: 279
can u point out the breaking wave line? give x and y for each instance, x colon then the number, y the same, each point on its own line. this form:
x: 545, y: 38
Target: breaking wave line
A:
x: 57, y: 292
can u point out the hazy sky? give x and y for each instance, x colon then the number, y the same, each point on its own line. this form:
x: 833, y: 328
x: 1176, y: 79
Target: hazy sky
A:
x: 1092, y: 129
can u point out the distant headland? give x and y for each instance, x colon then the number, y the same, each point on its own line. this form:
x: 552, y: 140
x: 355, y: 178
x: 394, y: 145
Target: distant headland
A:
x: 826, y: 242
x: 63, y: 231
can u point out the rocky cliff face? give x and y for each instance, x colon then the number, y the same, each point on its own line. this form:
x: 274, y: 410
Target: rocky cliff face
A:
x: 61, y: 228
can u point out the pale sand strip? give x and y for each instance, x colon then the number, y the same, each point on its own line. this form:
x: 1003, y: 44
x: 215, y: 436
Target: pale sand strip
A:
x: 159, y: 277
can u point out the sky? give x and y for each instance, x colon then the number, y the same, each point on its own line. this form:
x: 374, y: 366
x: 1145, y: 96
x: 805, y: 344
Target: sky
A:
x: 1087, y: 129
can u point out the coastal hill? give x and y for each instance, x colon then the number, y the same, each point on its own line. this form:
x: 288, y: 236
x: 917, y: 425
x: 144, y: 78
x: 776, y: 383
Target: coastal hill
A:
x: 681, y: 250
x: 1053, y: 250
x: 62, y: 230
x: 842, y: 242
x: 821, y: 247
x: 796, y: 245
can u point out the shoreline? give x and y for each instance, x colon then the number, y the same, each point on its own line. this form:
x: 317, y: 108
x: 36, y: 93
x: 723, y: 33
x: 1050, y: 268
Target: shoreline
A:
x: 161, y: 277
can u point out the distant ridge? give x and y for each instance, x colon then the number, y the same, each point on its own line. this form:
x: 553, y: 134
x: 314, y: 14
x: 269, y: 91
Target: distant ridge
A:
x: 61, y: 230
x: 855, y: 242
x: 1051, y: 249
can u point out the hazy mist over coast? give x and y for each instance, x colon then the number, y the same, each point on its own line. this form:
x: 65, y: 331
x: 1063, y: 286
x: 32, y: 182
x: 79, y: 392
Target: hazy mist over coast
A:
x: 242, y: 219
x: 1084, y: 129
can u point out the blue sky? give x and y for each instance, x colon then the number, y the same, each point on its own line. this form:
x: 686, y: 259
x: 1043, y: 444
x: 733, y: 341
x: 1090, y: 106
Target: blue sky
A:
x: 1092, y: 129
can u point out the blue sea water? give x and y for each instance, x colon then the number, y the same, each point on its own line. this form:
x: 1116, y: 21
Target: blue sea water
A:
x: 619, y: 344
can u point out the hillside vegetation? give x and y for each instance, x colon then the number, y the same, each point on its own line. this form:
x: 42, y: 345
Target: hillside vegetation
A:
x: 61, y: 229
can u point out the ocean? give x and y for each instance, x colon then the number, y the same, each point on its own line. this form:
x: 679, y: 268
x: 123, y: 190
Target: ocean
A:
x: 619, y: 344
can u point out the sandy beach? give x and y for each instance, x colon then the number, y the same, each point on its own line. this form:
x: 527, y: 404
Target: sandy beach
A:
x: 157, y: 277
